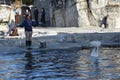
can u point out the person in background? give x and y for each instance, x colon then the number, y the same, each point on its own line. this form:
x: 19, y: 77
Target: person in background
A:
x: 27, y: 24
x: 12, y: 29
x: 43, y: 17
x: 36, y: 12
x: 104, y: 21
x: 17, y: 16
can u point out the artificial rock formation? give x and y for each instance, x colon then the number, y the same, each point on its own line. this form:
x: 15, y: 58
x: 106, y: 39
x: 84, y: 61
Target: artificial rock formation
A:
x: 81, y: 13
x: 78, y: 13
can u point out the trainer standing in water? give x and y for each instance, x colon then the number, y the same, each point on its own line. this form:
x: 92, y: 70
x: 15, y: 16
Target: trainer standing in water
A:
x: 27, y: 24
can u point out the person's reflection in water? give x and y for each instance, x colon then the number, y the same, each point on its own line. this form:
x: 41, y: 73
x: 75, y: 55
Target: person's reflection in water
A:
x: 28, y: 66
x: 29, y: 58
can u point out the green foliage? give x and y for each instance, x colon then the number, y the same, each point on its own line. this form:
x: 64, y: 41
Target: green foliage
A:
x: 27, y: 1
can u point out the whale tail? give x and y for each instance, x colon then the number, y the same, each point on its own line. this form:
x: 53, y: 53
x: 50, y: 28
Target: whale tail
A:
x: 95, y: 52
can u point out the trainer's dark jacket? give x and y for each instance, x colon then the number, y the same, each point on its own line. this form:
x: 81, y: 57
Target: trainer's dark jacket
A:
x: 27, y: 24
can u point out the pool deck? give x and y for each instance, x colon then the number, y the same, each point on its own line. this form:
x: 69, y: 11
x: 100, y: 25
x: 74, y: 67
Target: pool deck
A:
x: 89, y: 29
x: 52, y: 36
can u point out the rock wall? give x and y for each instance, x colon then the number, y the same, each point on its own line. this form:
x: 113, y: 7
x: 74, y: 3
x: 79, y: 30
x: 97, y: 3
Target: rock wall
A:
x: 77, y: 13
x: 5, y: 10
x: 81, y: 13
x: 6, y: 15
x: 64, y: 13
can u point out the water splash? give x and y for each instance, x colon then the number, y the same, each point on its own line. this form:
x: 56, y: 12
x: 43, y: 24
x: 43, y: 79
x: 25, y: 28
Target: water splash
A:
x: 95, y: 51
x: 94, y: 57
x: 95, y: 43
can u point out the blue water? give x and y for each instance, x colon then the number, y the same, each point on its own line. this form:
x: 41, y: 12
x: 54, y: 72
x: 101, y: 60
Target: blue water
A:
x: 60, y: 65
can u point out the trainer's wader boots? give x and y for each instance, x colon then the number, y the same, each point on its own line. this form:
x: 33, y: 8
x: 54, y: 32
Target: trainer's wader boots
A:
x: 27, y: 43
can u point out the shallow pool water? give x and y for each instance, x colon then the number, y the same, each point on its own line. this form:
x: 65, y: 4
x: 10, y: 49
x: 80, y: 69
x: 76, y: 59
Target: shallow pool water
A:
x: 60, y: 65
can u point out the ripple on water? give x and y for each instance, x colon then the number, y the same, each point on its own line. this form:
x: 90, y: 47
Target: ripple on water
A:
x: 58, y: 65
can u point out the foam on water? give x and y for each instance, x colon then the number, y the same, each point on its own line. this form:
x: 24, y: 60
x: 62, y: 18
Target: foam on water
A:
x: 95, y: 51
